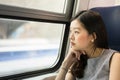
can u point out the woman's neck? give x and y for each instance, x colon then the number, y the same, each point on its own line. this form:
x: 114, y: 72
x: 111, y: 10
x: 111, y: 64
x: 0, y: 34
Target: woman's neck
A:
x: 95, y: 52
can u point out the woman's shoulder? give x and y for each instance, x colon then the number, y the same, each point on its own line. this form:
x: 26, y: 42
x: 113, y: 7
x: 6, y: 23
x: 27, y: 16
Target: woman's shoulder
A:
x: 116, y: 56
x: 113, y: 55
x: 115, y: 59
x: 112, y: 51
x: 115, y: 66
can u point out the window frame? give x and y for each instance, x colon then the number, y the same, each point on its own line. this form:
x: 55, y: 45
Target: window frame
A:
x: 10, y: 12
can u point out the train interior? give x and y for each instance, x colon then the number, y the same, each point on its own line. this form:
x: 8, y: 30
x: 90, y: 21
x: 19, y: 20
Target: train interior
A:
x: 34, y: 39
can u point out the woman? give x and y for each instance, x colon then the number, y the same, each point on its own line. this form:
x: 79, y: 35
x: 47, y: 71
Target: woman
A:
x: 89, y: 57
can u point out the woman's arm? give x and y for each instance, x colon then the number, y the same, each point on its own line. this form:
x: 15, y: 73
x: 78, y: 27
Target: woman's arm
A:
x: 69, y: 76
x: 64, y: 73
x: 61, y: 74
x: 115, y: 67
x: 71, y: 58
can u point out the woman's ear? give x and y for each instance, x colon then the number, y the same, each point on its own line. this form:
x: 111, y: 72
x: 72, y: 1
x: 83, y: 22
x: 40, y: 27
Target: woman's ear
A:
x: 93, y: 37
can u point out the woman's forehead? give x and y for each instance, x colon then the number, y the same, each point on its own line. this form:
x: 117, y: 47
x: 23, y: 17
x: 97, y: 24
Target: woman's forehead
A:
x: 75, y: 24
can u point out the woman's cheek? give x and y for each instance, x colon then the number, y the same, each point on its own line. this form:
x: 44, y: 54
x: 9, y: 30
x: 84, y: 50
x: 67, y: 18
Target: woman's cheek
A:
x: 82, y: 40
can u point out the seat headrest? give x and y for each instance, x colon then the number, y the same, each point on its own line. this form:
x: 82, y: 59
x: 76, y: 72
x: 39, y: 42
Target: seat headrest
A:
x: 111, y: 18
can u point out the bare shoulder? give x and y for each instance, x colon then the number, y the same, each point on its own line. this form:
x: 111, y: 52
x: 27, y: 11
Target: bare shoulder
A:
x: 115, y: 67
x: 115, y: 60
x: 116, y: 56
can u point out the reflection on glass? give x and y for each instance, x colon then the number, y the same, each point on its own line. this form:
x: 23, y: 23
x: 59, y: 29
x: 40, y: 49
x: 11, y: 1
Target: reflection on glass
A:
x: 47, y: 5
x: 28, y: 46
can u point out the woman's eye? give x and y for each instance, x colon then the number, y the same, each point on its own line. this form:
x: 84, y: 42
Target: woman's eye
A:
x: 76, y: 32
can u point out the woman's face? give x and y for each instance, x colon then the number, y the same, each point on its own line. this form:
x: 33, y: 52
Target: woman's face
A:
x: 79, y: 37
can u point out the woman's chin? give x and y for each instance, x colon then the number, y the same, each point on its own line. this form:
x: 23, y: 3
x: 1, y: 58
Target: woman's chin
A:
x: 74, y: 48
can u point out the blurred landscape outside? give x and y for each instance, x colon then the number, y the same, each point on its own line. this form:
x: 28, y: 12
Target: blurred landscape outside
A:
x: 27, y: 46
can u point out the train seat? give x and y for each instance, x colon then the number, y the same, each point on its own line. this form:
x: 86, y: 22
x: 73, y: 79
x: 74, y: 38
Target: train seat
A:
x: 111, y: 18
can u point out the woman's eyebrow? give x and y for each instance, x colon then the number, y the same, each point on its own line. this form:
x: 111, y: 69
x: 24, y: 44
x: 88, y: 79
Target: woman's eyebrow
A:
x: 76, y: 28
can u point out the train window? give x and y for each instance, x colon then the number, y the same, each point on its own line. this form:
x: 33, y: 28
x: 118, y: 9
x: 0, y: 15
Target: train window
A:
x: 47, y: 5
x: 28, y: 46
x: 33, y: 36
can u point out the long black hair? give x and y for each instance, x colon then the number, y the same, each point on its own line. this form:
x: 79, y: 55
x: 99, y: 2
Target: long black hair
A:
x: 93, y: 23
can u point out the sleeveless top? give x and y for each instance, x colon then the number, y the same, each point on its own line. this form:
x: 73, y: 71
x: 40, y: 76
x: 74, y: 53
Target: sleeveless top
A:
x: 98, y: 68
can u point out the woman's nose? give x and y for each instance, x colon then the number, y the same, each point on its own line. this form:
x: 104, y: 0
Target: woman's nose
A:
x: 71, y: 36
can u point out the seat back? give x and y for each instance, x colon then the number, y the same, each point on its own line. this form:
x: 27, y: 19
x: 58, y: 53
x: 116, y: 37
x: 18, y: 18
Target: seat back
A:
x: 111, y: 18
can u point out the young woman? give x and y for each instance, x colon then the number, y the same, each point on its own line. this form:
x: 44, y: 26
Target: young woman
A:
x: 89, y: 57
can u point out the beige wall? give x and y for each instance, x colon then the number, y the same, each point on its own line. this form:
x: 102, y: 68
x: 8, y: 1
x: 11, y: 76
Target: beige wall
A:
x: 87, y: 4
x: 101, y: 3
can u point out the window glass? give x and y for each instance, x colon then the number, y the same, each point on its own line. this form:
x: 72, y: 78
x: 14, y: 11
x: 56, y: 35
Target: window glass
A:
x: 28, y: 45
x: 47, y: 5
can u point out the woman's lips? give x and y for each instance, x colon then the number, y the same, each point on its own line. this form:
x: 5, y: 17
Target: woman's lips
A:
x: 72, y: 43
